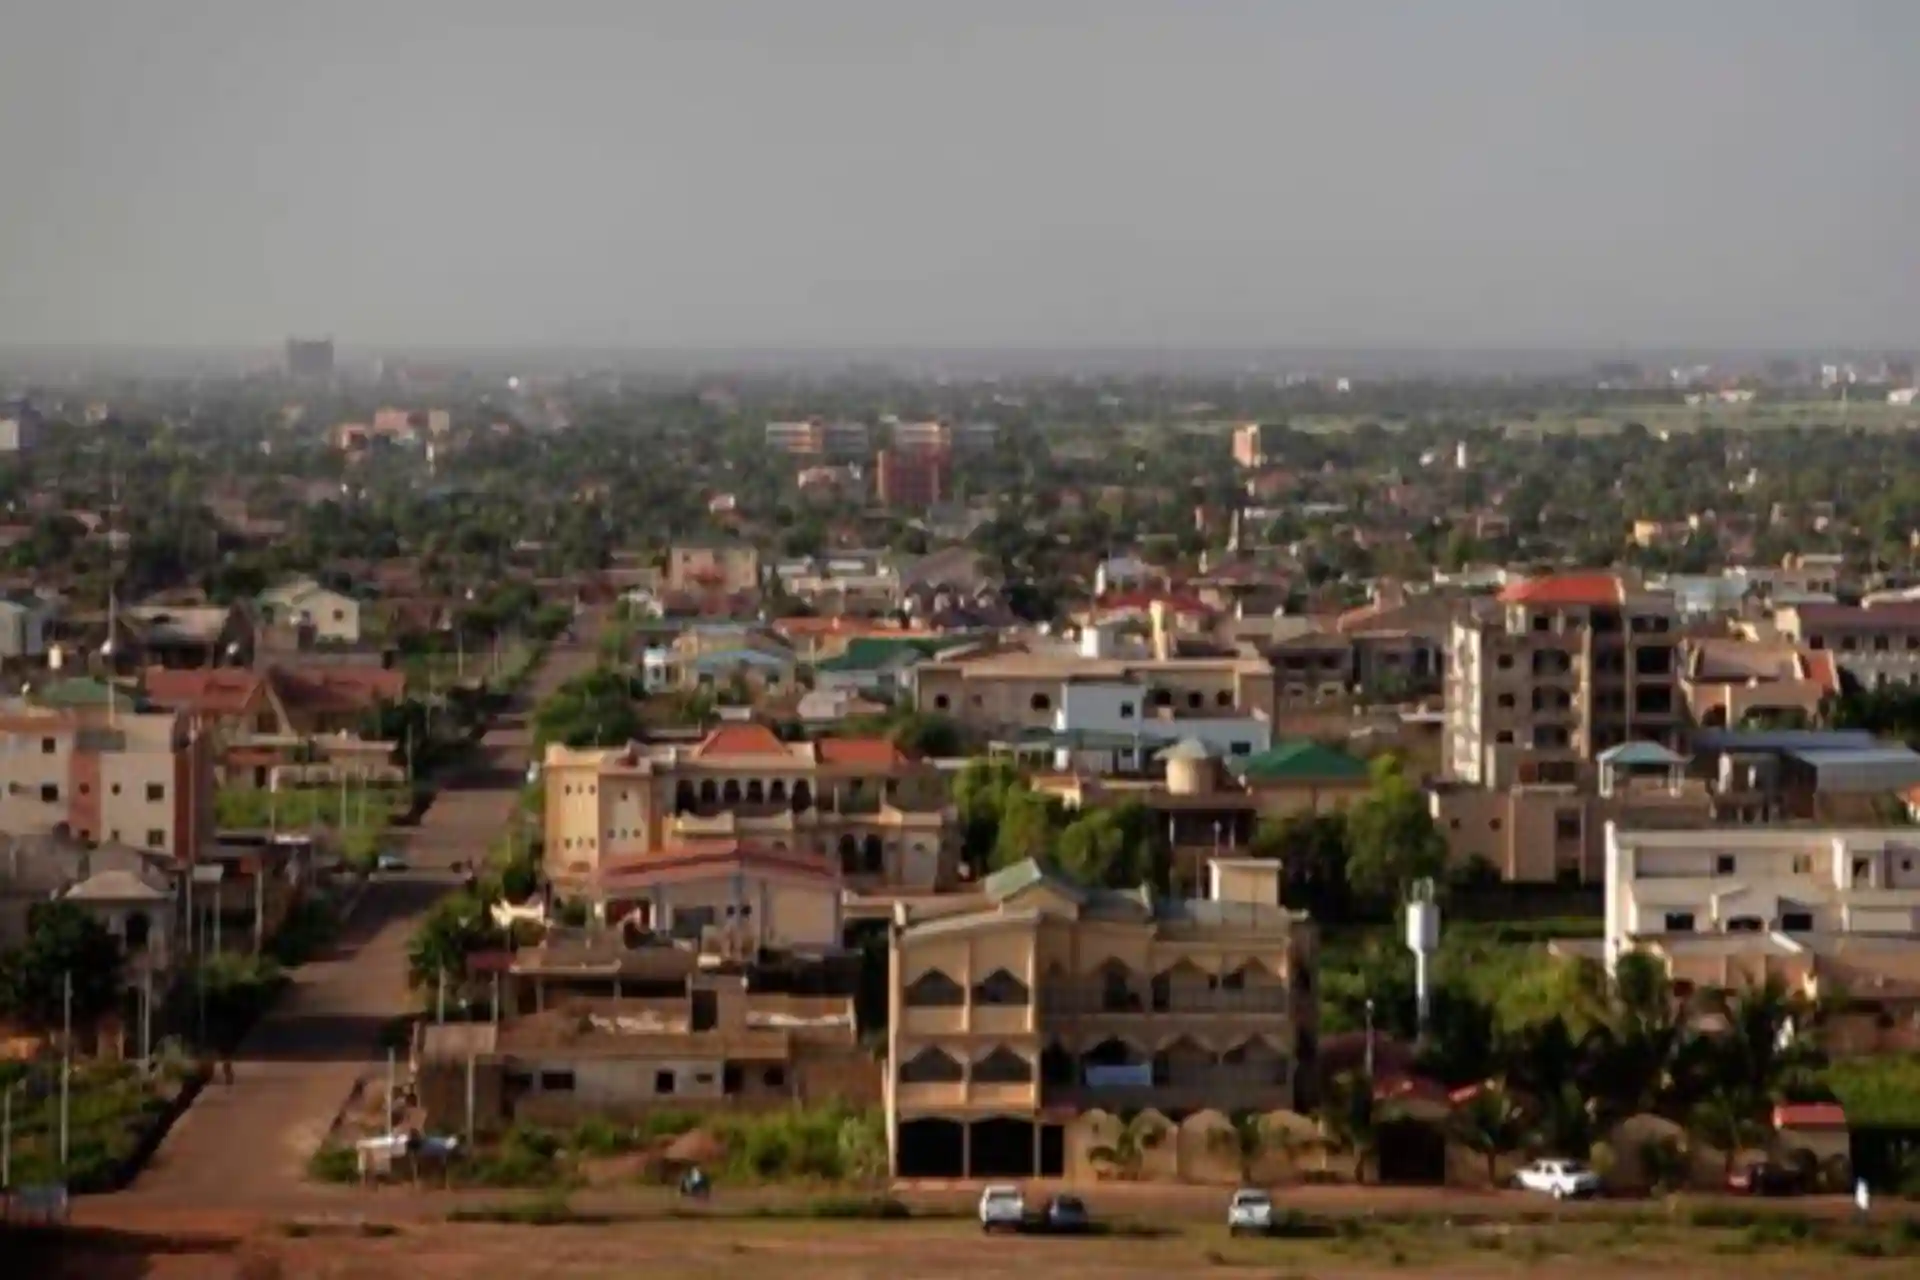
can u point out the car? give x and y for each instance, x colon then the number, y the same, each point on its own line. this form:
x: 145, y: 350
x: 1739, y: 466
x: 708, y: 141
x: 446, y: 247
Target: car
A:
x: 390, y: 862
x: 1765, y: 1178
x: 1002, y: 1208
x: 1065, y: 1215
x: 1561, y: 1179
x: 1250, y: 1213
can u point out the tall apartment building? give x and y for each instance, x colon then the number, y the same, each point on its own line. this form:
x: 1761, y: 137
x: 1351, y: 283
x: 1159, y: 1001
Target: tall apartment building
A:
x: 913, y: 477
x: 922, y: 435
x: 1019, y: 1010
x: 812, y: 436
x: 1560, y: 669
x: 142, y: 779
x: 1249, y: 446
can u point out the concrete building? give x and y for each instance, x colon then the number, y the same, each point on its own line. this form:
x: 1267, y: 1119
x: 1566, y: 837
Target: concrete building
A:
x: 24, y: 624
x: 1877, y: 643
x: 1249, y: 446
x: 107, y: 775
x: 1724, y: 681
x: 19, y: 432
x: 705, y: 567
x: 333, y: 617
x: 1558, y: 670
x: 1730, y: 906
x: 929, y: 436
x: 854, y: 808
x: 1015, y: 1010
x: 913, y: 478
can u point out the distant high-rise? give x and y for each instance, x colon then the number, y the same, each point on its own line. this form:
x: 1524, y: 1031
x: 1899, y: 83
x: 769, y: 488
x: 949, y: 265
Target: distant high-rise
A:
x: 310, y: 357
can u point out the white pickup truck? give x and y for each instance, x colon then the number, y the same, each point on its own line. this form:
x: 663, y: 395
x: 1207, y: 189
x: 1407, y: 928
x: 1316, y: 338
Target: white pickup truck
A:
x: 1002, y: 1208
x: 1561, y: 1179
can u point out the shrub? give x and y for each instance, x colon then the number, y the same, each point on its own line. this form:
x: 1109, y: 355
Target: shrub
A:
x: 334, y: 1164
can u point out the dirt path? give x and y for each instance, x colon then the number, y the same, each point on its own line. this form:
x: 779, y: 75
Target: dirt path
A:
x: 248, y: 1142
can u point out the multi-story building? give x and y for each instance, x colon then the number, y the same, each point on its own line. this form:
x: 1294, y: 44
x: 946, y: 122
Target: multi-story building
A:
x: 922, y: 436
x: 1724, y: 681
x: 1730, y: 906
x: 1557, y: 671
x: 913, y: 477
x: 109, y: 775
x: 722, y: 567
x: 1249, y: 446
x: 814, y: 437
x: 1018, y: 1008
x: 1877, y: 643
x: 759, y: 809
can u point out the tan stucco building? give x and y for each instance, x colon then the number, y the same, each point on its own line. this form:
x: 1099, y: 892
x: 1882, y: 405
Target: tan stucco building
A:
x: 621, y: 823
x: 1015, y: 1010
x: 1013, y: 692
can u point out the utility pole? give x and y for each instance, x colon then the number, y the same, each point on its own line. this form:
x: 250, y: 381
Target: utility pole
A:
x: 471, y: 1059
x: 146, y: 1022
x: 66, y: 1063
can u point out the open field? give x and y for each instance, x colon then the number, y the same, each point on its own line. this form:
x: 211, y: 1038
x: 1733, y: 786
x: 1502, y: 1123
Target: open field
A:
x: 1639, y: 1241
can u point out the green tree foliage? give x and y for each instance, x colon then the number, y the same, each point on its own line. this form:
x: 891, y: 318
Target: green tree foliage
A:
x: 1313, y: 851
x: 594, y: 710
x: 1126, y: 1156
x: 1029, y: 824
x: 457, y: 927
x: 979, y: 797
x: 1491, y: 1124
x: 1116, y: 847
x: 1352, y: 1119
x: 62, y: 941
x: 1391, y: 835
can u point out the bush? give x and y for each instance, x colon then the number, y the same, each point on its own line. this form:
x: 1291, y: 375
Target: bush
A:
x: 334, y: 1164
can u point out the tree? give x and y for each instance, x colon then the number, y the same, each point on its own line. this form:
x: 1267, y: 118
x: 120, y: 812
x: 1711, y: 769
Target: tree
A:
x: 62, y: 941
x: 1027, y: 827
x: 594, y: 710
x: 1127, y: 1153
x: 1352, y: 1120
x: 455, y: 929
x: 979, y: 798
x: 1312, y: 851
x: 1391, y: 836
x: 1728, y: 1119
x: 1492, y: 1124
x: 1115, y: 848
x: 1250, y: 1139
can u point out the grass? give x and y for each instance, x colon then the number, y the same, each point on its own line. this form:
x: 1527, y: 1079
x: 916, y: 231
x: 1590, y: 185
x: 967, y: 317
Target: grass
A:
x: 1878, y: 1092
x: 112, y: 1112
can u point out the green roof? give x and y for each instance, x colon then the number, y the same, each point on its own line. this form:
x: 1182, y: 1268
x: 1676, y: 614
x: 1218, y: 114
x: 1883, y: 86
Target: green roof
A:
x: 81, y: 691
x: 1301, y: 761
x: 869, y: 653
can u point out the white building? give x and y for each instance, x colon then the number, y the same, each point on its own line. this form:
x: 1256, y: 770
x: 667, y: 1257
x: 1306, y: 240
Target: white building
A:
x: 1115, y: 710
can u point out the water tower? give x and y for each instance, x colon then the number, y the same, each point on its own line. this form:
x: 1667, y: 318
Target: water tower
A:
x: 1423, y: 939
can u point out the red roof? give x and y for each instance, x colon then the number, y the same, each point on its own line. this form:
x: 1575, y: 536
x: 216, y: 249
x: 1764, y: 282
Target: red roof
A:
x: 214, y: 691
x: 1809, y: 1115
x: 741, y: 740
x: 877, y: 753
x: 709, y: 856
x: 337, y: 689
x: 1567, y: 590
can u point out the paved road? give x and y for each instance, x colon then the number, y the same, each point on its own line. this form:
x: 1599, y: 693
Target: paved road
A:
x: 248, y: 1142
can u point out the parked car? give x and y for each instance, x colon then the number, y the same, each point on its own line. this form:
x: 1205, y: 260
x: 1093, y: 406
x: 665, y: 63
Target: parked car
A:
x: 1002, y: 1208
x: 390, y: 861
x: 1561, y: 1179
x: 1765, y: 1178
x: 1066, y: 1215
x: 1250, y: 1213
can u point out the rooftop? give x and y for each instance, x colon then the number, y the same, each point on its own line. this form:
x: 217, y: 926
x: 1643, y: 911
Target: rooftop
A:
x: 1567, y: 590
x: 1302, y: 761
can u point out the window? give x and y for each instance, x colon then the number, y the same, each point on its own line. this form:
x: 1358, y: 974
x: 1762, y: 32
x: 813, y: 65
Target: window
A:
x: 1504, y: 737
x: 1679, y: 922
x: 1723, y: 864
x: 1001, y: 988
x: 663, y: 1082
x: 731, y: 1079
x: 556, y: 1082
x: 1193, y: 702
x: 49, y: 793
x: 156, y: 839
x: 1802, y: 864
x: 86, y: 789
x: 1493, y: 824
x: 1240, y: 748
x: 1796, y: 921
x: 116, y: 788
x: 1224, y: 698
x: 47, y: 746
x: 156, y: 792
x: 1126, y: 711
x: 941, y: 702
x: 935, y: 990
x: 1504, y: 662
x: 775, y: 1077
x: 1040, y: 702
x: 1881, y: 643
x: 1566, y: 826
x: 1746, y: 924
x: 1505, y: 701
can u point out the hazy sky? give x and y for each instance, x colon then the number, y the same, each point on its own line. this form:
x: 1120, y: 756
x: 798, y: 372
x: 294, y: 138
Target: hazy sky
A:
x: 961, y: 172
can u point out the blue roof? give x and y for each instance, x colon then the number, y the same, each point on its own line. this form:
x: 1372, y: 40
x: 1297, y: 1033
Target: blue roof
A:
x: 724, y: 658
x: 1641, y: 753
x: 1785, y: 740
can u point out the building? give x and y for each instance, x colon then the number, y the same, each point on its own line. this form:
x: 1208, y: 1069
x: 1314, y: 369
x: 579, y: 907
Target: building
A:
x: 1730, y: 906
x: 332, y: 617
x: 1017, y: 692
x: 726, y: 568
x: 287, y: 724
x: 1877, y: 642
x: 107, y: 775
x: 1249, y: 445
x: 614, y: 1022
x: 310, y: 357
x: 922, y: 437
x: 814, y: 437
x: 1556, y: 671
x: 1724, y: 682
x: 857, y: 809
x: 913, y: 478
x: 24, y: 624
x: 20, y: 430
x: 132, y: 893
x: 1016, y: 1010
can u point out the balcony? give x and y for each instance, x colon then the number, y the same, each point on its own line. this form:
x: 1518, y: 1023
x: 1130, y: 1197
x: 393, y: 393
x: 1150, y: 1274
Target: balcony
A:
x: 1092, y: 1000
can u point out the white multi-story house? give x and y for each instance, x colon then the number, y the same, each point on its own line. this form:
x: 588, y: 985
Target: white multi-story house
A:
x: 1113, y: 711
x: 1723, y: 903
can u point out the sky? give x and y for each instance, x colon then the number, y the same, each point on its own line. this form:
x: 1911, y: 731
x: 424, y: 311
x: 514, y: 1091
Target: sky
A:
x: 994, y: 174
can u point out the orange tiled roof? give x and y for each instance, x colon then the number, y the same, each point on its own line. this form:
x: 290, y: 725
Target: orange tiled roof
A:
x: 741, y: 740
x: 215, y: 691
x: 337, y: 688
x: 1567, y: 589
x: 876, y: 752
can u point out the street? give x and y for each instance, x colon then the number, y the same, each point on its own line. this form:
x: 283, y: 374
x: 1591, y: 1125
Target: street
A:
x: 249, y: 1142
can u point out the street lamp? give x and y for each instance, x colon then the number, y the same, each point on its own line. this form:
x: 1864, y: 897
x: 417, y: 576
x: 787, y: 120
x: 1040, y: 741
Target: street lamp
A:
x: 1369, y: 1037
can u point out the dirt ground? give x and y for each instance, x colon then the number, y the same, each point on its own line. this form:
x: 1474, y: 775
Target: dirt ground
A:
x: 414, y: 1242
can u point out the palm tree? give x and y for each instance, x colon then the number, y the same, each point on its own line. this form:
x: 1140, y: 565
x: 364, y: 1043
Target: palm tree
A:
x: 1728, y: 1119
x: 1632, y: 1049
x: 1491, y: 1124
x: 1128, y: 1151
x: 1352, y: 1119
x: 1251, y: 1139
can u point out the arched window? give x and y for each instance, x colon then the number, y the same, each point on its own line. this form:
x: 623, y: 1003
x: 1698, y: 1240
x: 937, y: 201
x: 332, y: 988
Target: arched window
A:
x: 802, y: 796
x: 1003, y: 1066
x: 730, y: 791
x: 756, y: 793
x: 682, y: 796
x: 872, y: 856
x: 777, y: 792
x: 932, y: 1066
x: 849, y: 855
x: 709, y: 791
